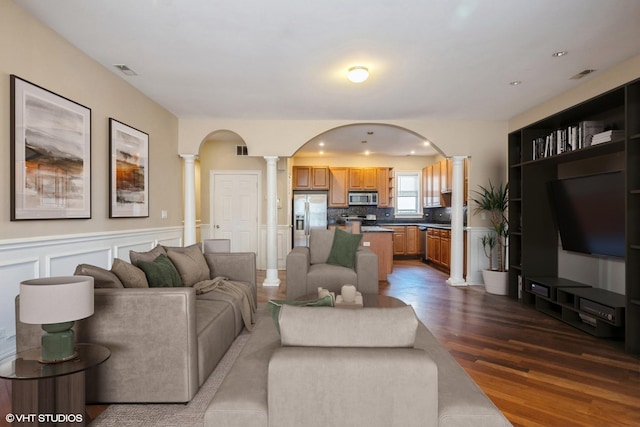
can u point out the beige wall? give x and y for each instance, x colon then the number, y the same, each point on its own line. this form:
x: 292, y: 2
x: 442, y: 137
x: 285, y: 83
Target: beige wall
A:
x: 218, y: 154
x: 35, y: 53
x: 484, y: 142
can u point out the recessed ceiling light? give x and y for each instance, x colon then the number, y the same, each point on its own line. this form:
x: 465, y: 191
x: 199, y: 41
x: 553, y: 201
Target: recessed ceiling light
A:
x: 363, y: 142
x: 321, y: 144
x: 427, y: 143
x: 125, y: 69
x: 559, y: 53
x: 321, y: 152
x: 358, y: 74
x: 515, y: 83
x: 413, y: 151
x: 370, y: 132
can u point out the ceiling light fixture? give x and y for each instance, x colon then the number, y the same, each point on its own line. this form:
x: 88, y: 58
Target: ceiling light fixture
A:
x: 427, y: 143
x: 515, y: 83
x: 559, y: 53
x: 358, y: 74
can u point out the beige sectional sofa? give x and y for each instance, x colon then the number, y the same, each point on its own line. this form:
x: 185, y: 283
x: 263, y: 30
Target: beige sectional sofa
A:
x: 164, y: 341
x: 328, y: 366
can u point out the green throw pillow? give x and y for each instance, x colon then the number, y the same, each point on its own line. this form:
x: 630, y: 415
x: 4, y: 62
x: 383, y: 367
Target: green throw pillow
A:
x: 160, y: 273
x: 274, y: 306
x: 343, y: 250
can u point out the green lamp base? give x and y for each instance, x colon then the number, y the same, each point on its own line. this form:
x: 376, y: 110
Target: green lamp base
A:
x: 58, y: 343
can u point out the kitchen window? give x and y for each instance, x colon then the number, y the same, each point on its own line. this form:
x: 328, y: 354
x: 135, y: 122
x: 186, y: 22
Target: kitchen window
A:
x: 408, y: 194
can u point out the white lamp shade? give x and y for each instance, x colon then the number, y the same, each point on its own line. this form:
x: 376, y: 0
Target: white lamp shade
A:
x: 56, y: 299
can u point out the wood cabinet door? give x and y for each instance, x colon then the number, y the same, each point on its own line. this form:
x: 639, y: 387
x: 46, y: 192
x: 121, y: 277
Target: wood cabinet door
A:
x: 355, y: 179
x: 446, y: 175
x: 320, y: 178
x: 445, y: 248
x: 435, y: 185
x: 412, y: 240
x: 338, y: 189
x: 382, y: 185
x: 433, y: 245
x: 399, y: 240
x: 302, y: 178
x: 369, y: 179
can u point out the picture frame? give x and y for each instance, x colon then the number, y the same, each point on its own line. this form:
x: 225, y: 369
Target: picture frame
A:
x: 129, y: 171
x: 50, y: 154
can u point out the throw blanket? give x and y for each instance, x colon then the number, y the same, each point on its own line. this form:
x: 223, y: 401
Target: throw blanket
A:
x: 238, y: 290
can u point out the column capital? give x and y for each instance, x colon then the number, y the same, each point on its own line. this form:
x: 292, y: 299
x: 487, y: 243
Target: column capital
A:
x: 187, y: 157
x: 271, y: 158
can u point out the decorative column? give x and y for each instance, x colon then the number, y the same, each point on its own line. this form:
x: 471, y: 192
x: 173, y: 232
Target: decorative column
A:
x: 457, y: 224
x: 271, y: 278
x: 189, y: 171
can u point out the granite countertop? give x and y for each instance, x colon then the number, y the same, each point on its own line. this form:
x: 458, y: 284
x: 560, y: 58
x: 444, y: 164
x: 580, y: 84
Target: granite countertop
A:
x: 375, y: 229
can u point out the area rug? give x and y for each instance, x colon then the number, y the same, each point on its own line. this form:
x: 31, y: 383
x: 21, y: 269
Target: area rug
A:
x: 172, y: 415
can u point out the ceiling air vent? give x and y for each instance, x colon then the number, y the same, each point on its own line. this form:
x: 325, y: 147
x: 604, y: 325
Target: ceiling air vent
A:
x: 241, y: 150
x: 581, y: 74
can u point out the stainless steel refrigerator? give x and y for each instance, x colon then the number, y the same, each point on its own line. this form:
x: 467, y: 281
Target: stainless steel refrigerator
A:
x: 309, y: 211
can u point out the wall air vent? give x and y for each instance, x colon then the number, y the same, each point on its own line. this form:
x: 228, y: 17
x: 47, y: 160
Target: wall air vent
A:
x: 581, y: 74
x: 241, y: 150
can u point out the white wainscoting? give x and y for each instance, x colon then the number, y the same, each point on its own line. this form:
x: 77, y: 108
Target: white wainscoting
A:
x: 24, y: 259
x: 476, y: 259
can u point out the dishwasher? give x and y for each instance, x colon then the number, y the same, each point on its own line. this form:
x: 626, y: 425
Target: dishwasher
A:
x: 423, y: 241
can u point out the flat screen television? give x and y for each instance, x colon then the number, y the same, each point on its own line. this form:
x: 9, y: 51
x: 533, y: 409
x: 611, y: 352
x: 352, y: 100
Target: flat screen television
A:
x: 590, y: 213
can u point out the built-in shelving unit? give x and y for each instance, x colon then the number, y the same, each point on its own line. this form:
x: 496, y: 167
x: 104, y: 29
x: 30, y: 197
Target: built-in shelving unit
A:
x: 533, y: 237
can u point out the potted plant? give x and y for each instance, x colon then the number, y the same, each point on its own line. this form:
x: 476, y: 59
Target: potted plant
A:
x: 494, y: 200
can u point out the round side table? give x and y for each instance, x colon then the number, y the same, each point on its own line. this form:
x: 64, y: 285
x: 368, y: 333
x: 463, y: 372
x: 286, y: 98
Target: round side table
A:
x: 50, y: 393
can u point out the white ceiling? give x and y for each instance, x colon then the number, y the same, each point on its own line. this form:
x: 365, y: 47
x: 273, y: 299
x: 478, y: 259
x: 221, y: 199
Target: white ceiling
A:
x: 287, y: 59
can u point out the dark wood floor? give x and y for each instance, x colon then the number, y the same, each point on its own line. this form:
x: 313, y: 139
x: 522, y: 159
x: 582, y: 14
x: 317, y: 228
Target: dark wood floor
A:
x: 537, y: 370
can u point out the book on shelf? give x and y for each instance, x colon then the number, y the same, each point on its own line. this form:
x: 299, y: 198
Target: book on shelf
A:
x: 567, y: 139
x: 606, y: 136
x: 589, y: 128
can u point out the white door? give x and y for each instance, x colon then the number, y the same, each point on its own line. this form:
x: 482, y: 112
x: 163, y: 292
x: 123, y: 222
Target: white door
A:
x: 235, y: 208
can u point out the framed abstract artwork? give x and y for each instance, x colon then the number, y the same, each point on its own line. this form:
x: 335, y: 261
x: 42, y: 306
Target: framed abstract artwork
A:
x: 129, y: 176
x: 50, y: 154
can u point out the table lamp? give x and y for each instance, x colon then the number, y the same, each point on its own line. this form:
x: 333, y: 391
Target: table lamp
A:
x: 55, y: 303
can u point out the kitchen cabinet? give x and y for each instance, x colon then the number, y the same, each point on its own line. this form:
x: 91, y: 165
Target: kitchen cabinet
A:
x: 437, y: 183
x: 406, y: 239
x: 439, y: 249
x: 363, y: 179
x: 433, y: 245
x: 445, y: 249
x: 385, y: 186
x: 446, y: 175
x: 310, y: 178
x: 338, y: 187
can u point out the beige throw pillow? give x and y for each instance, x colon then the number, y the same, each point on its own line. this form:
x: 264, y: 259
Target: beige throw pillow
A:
x: 148, y: 256
x: 130, y: 275
x: 190, y: 263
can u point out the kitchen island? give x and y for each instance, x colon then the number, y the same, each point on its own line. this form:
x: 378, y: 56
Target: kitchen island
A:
x: 380, y: 240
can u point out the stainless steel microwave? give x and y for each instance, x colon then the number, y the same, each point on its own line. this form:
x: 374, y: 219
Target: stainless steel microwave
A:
x: 366, y: 199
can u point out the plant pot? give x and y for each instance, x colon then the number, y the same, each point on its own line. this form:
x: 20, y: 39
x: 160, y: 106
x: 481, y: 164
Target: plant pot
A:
x: 496, y: 282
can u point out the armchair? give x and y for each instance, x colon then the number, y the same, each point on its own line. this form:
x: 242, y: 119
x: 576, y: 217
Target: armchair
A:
x: 307, y: 268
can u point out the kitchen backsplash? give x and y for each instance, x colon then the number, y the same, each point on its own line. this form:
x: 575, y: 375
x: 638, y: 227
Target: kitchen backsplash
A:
x: 431, y: 215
